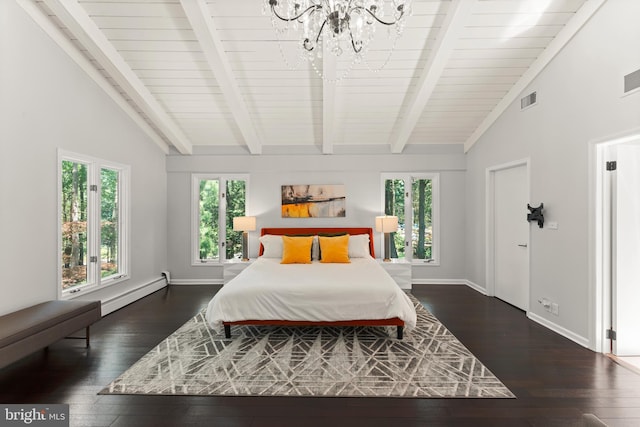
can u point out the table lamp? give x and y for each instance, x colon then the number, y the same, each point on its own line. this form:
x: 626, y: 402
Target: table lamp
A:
x: 244, y: 224
x: 387, y: 224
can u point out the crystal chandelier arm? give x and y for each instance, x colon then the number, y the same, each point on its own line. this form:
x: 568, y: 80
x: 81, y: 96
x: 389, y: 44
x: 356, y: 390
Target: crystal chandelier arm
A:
x: 306, y: 41
x: 400, y: 9
x: 274, y: 3
x: 353, y: 43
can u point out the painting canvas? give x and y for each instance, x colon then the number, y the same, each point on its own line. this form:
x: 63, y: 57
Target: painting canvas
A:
x: 313, y: 201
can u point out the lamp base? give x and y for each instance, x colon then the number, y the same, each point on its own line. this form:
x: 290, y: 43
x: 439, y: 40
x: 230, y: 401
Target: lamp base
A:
x: 387, y: 247
x: 245, y: 246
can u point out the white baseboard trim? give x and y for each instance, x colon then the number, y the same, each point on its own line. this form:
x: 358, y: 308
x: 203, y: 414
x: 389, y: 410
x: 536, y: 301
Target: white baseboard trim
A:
x: 559, y: 330
x: 439, y: 282
x: 476, y: 287
x: 199, y: 282
x: 468, y: 283
x: 580, y: 340
x: 125, y: 298
x: 167, y: 276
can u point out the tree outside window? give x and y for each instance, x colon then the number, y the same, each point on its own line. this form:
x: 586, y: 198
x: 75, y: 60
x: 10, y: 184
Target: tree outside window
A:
x: 217, y: 200
x: 236, y: 206
x: 413, y: 199
x: 109, y: 222
x: 74, y: 224
x: 92, y: 222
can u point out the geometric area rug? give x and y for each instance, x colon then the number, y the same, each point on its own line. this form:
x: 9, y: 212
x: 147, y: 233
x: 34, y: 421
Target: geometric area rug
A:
x: 429, y: 362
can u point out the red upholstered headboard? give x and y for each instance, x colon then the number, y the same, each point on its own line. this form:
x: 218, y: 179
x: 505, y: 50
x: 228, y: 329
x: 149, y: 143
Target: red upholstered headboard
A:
x: 320, y: 230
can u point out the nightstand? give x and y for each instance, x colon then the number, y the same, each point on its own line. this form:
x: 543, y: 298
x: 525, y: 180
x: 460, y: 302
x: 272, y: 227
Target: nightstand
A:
x: 233, y: 267
x: 399, y: 270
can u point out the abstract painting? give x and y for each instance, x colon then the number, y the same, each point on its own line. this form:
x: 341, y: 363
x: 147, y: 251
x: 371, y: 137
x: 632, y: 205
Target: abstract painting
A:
x: 313, y: 201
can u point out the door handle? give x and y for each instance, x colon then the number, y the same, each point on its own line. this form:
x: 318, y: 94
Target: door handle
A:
x: 523, y: 246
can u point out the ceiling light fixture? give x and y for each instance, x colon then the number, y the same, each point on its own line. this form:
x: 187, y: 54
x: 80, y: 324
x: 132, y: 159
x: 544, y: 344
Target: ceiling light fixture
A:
x: 340, y: 24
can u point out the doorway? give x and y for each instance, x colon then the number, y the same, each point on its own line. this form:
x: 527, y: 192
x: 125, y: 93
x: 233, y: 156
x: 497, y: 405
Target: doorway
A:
x: 508, y: 233
x: 617, y: 246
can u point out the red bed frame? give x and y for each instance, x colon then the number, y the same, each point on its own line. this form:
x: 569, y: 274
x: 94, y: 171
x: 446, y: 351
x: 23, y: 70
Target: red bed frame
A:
x: 395, y: 321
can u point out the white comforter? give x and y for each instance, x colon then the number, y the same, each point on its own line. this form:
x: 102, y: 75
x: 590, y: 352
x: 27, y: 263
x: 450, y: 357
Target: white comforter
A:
x: 268, y: 290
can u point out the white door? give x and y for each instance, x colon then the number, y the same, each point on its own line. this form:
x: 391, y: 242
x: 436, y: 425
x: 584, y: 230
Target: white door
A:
x: 511, y: 239
x: 626, y: 283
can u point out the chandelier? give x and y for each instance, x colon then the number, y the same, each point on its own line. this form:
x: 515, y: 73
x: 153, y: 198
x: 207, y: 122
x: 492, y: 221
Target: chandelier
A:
x: 338, y: 24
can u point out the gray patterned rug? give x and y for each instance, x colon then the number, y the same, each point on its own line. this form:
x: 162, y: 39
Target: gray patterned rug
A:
x: 311, y: 361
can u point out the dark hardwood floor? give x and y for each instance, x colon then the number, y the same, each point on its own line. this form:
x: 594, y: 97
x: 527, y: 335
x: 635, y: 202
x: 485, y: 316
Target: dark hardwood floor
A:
x: 555, y: 380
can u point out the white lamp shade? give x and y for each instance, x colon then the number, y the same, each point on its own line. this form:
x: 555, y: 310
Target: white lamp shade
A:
x: 244, y: 223
x: 386, y: 224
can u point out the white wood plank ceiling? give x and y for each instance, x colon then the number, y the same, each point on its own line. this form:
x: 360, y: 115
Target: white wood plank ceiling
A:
x: 209, y: 73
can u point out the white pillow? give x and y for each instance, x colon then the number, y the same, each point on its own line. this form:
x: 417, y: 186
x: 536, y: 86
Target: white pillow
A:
x: 272, y: 246
x: 359, y: 246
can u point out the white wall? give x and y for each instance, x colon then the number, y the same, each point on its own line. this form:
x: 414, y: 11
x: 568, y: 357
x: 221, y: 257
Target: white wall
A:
x: 360, y: 174
x: 46, y: 103
x: 580, y: 99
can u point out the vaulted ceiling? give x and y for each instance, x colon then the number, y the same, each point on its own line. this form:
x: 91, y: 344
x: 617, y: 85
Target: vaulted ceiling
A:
x: 200, y: 75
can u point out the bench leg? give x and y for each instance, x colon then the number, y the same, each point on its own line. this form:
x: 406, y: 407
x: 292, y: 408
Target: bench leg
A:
x: 227, y: 331
x: 400, y: 332
x: 86, y: 337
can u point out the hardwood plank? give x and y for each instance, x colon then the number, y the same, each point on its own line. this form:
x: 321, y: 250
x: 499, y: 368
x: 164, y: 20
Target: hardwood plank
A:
x: 554, y: 379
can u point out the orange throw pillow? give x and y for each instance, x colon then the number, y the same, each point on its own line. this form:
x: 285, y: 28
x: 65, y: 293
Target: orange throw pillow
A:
x: 296, y: 250
x: 334, y: 249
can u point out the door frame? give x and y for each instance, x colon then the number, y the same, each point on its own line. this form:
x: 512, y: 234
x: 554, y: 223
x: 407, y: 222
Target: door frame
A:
x: 490, y: 226
x: 599, y: 282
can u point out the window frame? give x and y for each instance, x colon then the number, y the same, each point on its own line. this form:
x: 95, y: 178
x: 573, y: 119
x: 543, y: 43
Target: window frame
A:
x: 222, y: 215
x: 408, y: 178
x: 95, y: 281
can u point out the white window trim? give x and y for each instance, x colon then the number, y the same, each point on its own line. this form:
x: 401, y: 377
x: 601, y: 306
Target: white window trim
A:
x: 222, y: 217
x: 95, y: 281
x: 408, y: 212
x: 124, y: 219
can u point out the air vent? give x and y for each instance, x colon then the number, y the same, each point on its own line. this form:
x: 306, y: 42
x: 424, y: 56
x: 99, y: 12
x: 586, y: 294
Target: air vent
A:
x: 632, y: 81
x: 528, y: 101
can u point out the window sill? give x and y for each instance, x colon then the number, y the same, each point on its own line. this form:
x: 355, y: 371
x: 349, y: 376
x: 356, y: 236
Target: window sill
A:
x: 75, y: 293
x: 414, y: 263
x: 425, y: 264
x: 207, y: 264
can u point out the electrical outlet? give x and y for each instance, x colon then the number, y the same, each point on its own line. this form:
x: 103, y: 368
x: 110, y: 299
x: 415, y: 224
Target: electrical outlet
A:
x: 545, y: 303
x: 554, y: 309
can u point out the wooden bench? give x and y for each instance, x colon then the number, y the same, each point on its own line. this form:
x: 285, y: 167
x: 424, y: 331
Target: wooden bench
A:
x: 34, y: 328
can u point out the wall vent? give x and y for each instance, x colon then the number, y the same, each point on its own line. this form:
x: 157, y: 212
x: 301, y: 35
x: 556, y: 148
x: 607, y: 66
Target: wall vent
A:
x: 632, y: 81
x: 528, y: 101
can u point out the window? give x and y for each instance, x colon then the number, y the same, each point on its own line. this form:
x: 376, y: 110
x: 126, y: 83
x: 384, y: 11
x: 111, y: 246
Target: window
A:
x: 92, y: 222
x: 216, y: 200
x: 413, y: 198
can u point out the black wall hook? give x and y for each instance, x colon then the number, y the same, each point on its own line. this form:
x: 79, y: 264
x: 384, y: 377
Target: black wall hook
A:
x: 536, y: 214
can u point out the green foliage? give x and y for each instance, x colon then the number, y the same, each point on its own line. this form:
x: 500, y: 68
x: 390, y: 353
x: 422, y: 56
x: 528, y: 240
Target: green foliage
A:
x: 422, y: 204
x: 394, y: 205
x: 235, y: 205
x: 209, y: 208
x: 109, y: 221
x: 74, y: 183
x: 421, y: 229
x: 74, y: 223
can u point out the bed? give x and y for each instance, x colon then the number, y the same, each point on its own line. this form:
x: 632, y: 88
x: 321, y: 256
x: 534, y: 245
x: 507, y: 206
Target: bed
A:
x: 357, y: 292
